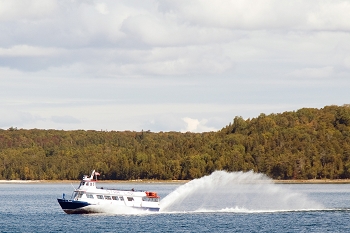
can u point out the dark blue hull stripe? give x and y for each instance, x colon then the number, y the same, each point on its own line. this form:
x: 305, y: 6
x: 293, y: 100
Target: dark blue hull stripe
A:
x: 71, y: 205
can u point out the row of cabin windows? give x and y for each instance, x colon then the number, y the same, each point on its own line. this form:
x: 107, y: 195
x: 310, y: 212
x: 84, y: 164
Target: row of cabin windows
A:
x: 87, y: 183
x: 115, y: 198
x: 150, y: 199
x: 103, y: 197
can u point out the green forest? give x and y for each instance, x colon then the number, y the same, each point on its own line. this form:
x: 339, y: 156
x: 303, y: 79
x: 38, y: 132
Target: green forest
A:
x: 309, y: 143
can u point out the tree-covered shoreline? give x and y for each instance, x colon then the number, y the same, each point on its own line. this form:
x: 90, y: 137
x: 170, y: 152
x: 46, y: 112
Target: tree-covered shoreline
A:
x: 308, y: 143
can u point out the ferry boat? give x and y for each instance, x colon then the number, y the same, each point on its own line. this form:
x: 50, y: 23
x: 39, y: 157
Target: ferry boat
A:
x: 90, y: 199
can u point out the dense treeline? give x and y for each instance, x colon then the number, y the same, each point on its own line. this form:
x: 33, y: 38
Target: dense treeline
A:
x: 305, y: 144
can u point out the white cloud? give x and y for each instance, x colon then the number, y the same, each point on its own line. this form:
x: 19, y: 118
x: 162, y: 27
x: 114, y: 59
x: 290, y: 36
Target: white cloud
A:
x: 330, y: 15
x: 261, y: 15
x: 16, y: 118
x: 307, y: 73
x: 195, y: 125
x: 26, y: 10
x: 30, y: 51
x: 102, y: 8
x: 65, y: 119
x: 347, y: 62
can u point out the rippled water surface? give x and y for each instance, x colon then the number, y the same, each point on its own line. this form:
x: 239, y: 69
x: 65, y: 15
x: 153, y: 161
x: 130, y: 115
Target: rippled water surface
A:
x: 222, y: 202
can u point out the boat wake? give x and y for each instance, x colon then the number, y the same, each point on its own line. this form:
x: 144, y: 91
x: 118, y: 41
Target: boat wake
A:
x: 121, y: 210
x: 237, y: 210
x: 247, y: 211
x: 240, y: 192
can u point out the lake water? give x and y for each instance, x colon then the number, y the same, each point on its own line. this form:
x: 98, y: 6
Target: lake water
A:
x: 224, y: 202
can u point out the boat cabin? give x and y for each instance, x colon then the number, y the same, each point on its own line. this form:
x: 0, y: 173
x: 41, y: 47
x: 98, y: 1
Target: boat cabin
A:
x: 87, y: 183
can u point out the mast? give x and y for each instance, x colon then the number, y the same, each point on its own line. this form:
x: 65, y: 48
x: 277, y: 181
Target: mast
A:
x: 92, y: 174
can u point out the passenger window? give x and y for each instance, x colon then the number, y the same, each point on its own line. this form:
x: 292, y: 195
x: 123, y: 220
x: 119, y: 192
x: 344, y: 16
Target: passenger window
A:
x: 99, y: 196
x: 115, y: 198
x: 121, y: 198
x: 130, y: 198
x: 108, y: 198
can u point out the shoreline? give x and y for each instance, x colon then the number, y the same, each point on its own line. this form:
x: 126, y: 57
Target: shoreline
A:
x: 100, y: 181
x: 312, y: 181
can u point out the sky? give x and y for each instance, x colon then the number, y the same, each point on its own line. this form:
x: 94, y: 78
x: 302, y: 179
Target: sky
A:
x: 184, y: 65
